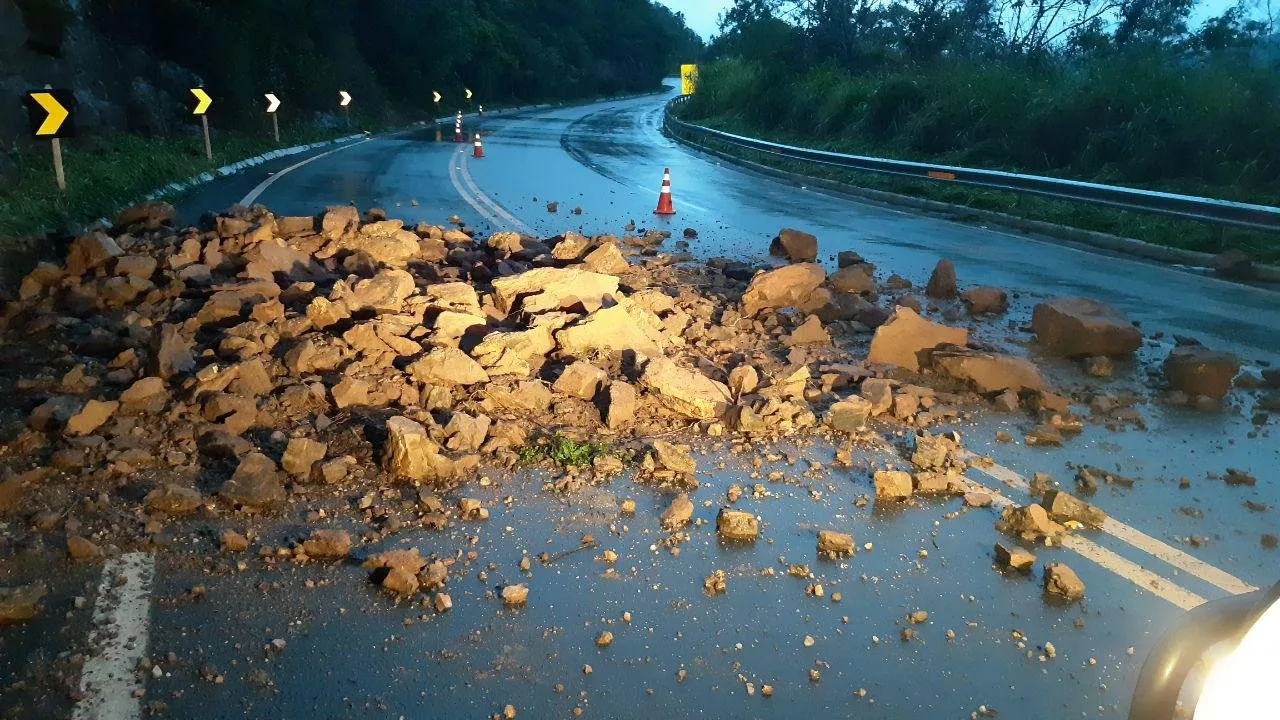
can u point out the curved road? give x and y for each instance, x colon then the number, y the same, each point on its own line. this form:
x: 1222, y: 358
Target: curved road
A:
x: 1168, y: 548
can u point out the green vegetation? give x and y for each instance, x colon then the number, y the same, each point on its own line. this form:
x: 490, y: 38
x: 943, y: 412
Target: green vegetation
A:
x: 567, y: 452
x: 1144, y: 102
x: 105, y: 175
x: 391, y: 54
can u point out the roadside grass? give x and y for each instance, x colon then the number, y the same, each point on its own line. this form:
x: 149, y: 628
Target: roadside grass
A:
x: 567, y: 452
x: 1134, y: 122
x: 105, y: 175
x: 1154, y: 229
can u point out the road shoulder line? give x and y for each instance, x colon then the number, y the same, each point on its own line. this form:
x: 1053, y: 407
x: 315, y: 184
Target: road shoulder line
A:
x: 121, y: 625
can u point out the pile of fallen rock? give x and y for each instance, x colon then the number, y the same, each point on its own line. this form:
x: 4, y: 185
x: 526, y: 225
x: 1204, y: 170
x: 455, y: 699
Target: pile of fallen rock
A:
x: 258, y: 354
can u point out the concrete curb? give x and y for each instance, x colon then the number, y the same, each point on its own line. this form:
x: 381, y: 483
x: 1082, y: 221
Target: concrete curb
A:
x: 1184, y: 259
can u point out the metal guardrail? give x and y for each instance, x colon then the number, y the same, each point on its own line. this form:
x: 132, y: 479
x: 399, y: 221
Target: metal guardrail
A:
x: 1219, y: 212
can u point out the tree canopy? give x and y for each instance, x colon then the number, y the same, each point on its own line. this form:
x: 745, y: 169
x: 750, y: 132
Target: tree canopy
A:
x: 394, y: 53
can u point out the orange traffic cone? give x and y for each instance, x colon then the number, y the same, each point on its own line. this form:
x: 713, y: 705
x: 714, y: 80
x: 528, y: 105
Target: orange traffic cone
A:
x: 664, y: 199
x: 479, y: 147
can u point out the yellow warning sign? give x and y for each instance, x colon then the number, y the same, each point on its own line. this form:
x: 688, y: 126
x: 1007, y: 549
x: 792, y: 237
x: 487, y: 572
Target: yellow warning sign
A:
x: 688, y: 79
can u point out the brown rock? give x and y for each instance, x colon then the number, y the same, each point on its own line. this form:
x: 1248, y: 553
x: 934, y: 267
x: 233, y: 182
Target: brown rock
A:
x: 400, y: 581
x: 1031, y: 522
x: 1197, y: 370
x: 384, y: 292
x: 139, y: 266
x: 170, y: 352
x: 892, y: 485
x: 849, y: 415
x: 852, y: 279
x: 337, y: 469
x: 621, y: 407
x: 879, y: 393
x: 795, y: 245
x: 1061, y: 581
x: 678, y: 513
x: 581, y: 380
x: 1079, y: 327
x: 571, y: 247
x: 737, y: 525
x: 785, y: 287
x: 447, y: 366
x: 255, y: 483
x: 1061, y: 505
x: 978, y: 499
x: 79, y: 548
x: 810, y: 332
x: 743, y: 380
x: 233, y: 541
x: 906, y: 337
x: 412, y: 455
x: 1014, y: 558
x: 625, y: 326
x: 172, y: 499
x: 322, y: 313
x: 466, y: 433
x: 90, y: 251
x: 942, y: 283
x: 301, y: 455
x: 350, y: 392
x: 834, y: 544
x: 676, y: 458
x: 442, y: 602
x: 989, y: 372
x: 515, y: 595
x: 607, y: 259
x: 91, y: 417
x: 546, y: 289
x: 21, y: 603
x: 985, y: 300
x: 686, y: 392
x: 327, y: 544
x: 152, y: 214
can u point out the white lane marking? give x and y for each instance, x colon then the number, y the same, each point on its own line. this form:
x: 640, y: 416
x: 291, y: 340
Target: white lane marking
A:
x: 1138, y: 539
x: 1159, y: 586
x: 493, y: 204
x: 121, y: 617
x: 1132, y: 572
x: 454, y: 167
x: 252, y: 197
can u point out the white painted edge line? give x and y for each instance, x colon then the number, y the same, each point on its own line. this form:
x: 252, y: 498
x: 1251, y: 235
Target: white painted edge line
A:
x: 121, y: 617
x: 1117, y: 564
x: 493, y: 204
x: 252, y: 197
x: 454, y: 166
x: 1140, y: 540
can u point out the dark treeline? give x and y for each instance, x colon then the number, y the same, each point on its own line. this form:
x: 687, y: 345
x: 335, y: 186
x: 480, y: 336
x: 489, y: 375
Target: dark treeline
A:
x: 391, y: 54
x: 1125, y: 91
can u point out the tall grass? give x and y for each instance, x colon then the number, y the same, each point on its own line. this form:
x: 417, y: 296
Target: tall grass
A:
x: 104, y: 175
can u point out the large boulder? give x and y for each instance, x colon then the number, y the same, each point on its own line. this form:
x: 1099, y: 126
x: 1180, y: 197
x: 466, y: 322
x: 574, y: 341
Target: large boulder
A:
x: 686, y: 392
x: 989, y: 372
x: 384, y: 292
x: 795, y: 245
x: 545, y: 289
x: 625, y: 326
x: 906, y: 337
x: 1197, y: 370
x: 411, y: 454
x: 849, y: 415
x: 256, y: 483
x: 447, y: 366
x: 1079, y: 327
x: 852, y: 279
x: 985, y: 300
x: 785, y: 287
x: 942, y: 283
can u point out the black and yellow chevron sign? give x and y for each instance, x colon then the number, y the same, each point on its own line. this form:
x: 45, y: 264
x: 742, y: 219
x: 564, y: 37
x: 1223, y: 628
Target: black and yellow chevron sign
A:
x: 50, y: 113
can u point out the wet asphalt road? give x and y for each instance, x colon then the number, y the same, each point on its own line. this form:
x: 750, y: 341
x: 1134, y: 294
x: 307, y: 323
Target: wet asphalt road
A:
x: 352, y: 653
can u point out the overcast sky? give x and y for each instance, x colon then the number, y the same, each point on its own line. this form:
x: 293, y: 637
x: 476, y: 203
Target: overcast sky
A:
x: 700, y: 14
